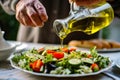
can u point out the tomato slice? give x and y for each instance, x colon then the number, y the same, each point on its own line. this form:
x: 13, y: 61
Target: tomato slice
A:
x: 31, y: 64
x: 50, y: 51
x: 58, y: 55
x: 65, y: 49
x: 72, y: 49
x: 36, y: 65
x: 89, y: 55
x: 94, y: 67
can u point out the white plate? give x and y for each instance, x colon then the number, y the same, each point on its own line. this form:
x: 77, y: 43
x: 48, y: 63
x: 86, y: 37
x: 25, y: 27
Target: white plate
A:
x: 59, y: 75
x: 104, y: 50
x: 108, y: 50
x: 21, y: 47
x: 118, y: 63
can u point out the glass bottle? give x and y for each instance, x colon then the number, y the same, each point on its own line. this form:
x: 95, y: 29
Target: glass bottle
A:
x: 88, y: 20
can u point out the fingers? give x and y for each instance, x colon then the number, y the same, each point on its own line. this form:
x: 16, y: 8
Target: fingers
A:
x: 26, y: 20
x: 23, y: 18
x: 18, y: 10
x: 31, y: 13
x: 34, y: 17
x: 41, y: 11
x: 19, y: 18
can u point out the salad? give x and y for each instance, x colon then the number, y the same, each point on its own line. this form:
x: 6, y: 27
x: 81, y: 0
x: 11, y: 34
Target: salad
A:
x: 61, y: 61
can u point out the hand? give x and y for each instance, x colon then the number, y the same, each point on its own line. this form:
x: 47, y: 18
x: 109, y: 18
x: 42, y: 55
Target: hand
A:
x: 86, y: 2
x: 31, y: 13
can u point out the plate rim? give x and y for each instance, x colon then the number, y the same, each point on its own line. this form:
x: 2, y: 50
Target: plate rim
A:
x: 102, y: 50
x: 118, y: 65
x: 109, y: 50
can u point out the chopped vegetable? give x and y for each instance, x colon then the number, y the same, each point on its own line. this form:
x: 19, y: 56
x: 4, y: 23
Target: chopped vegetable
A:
x: 64, y: 49
x: 61, y: 61
x: 87, y: 60
x: 72, y: 49
x: 94, y: 67
x: 74, y: 61
x: 58, y: 55
x: 50, y: 51
x: 36, y: 65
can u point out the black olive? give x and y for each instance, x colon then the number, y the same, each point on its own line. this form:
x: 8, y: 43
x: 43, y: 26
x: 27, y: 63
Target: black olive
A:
x: 49, y: 67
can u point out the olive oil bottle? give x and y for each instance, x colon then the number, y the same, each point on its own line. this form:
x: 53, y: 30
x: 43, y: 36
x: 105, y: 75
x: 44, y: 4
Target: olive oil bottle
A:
x: 88, y: 21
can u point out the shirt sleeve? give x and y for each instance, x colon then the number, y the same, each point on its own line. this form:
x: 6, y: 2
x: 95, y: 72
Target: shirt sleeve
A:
x: 9, y: 6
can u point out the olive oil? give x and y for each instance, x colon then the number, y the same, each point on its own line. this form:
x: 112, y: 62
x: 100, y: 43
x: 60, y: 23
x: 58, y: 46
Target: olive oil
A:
x: 62, y: 35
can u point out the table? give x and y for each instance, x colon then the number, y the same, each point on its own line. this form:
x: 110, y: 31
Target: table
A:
x: 9, y: 73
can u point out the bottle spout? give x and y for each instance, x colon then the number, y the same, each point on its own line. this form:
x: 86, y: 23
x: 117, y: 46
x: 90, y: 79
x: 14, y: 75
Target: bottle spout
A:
x: 58, y: 26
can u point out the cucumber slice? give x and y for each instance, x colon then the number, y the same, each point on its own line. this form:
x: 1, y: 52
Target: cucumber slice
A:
x: 87, y: 60
x: 74, y: 61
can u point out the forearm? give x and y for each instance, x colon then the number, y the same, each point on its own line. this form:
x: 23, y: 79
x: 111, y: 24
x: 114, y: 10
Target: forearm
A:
x: 9, y: 6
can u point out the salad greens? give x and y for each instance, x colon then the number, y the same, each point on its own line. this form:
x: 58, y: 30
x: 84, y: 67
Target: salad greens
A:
x: 61, y: 61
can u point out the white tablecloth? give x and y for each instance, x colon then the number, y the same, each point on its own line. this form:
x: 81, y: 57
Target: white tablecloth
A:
x: 9, y: 73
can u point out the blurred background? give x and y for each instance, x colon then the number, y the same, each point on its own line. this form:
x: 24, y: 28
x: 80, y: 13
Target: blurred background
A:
x: 10, y: 25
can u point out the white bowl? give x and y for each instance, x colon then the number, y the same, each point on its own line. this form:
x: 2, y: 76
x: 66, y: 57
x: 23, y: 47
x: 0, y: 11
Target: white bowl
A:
x: 6, y: 52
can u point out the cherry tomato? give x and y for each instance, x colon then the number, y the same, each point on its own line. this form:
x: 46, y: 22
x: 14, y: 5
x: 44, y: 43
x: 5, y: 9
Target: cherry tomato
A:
x: 95, y: 67
x: 58, y: 55
x: 64, y: 49
x: 89, y: 55
x: 72, y: 49
x: 50, y: 51
x: 31, y: 64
